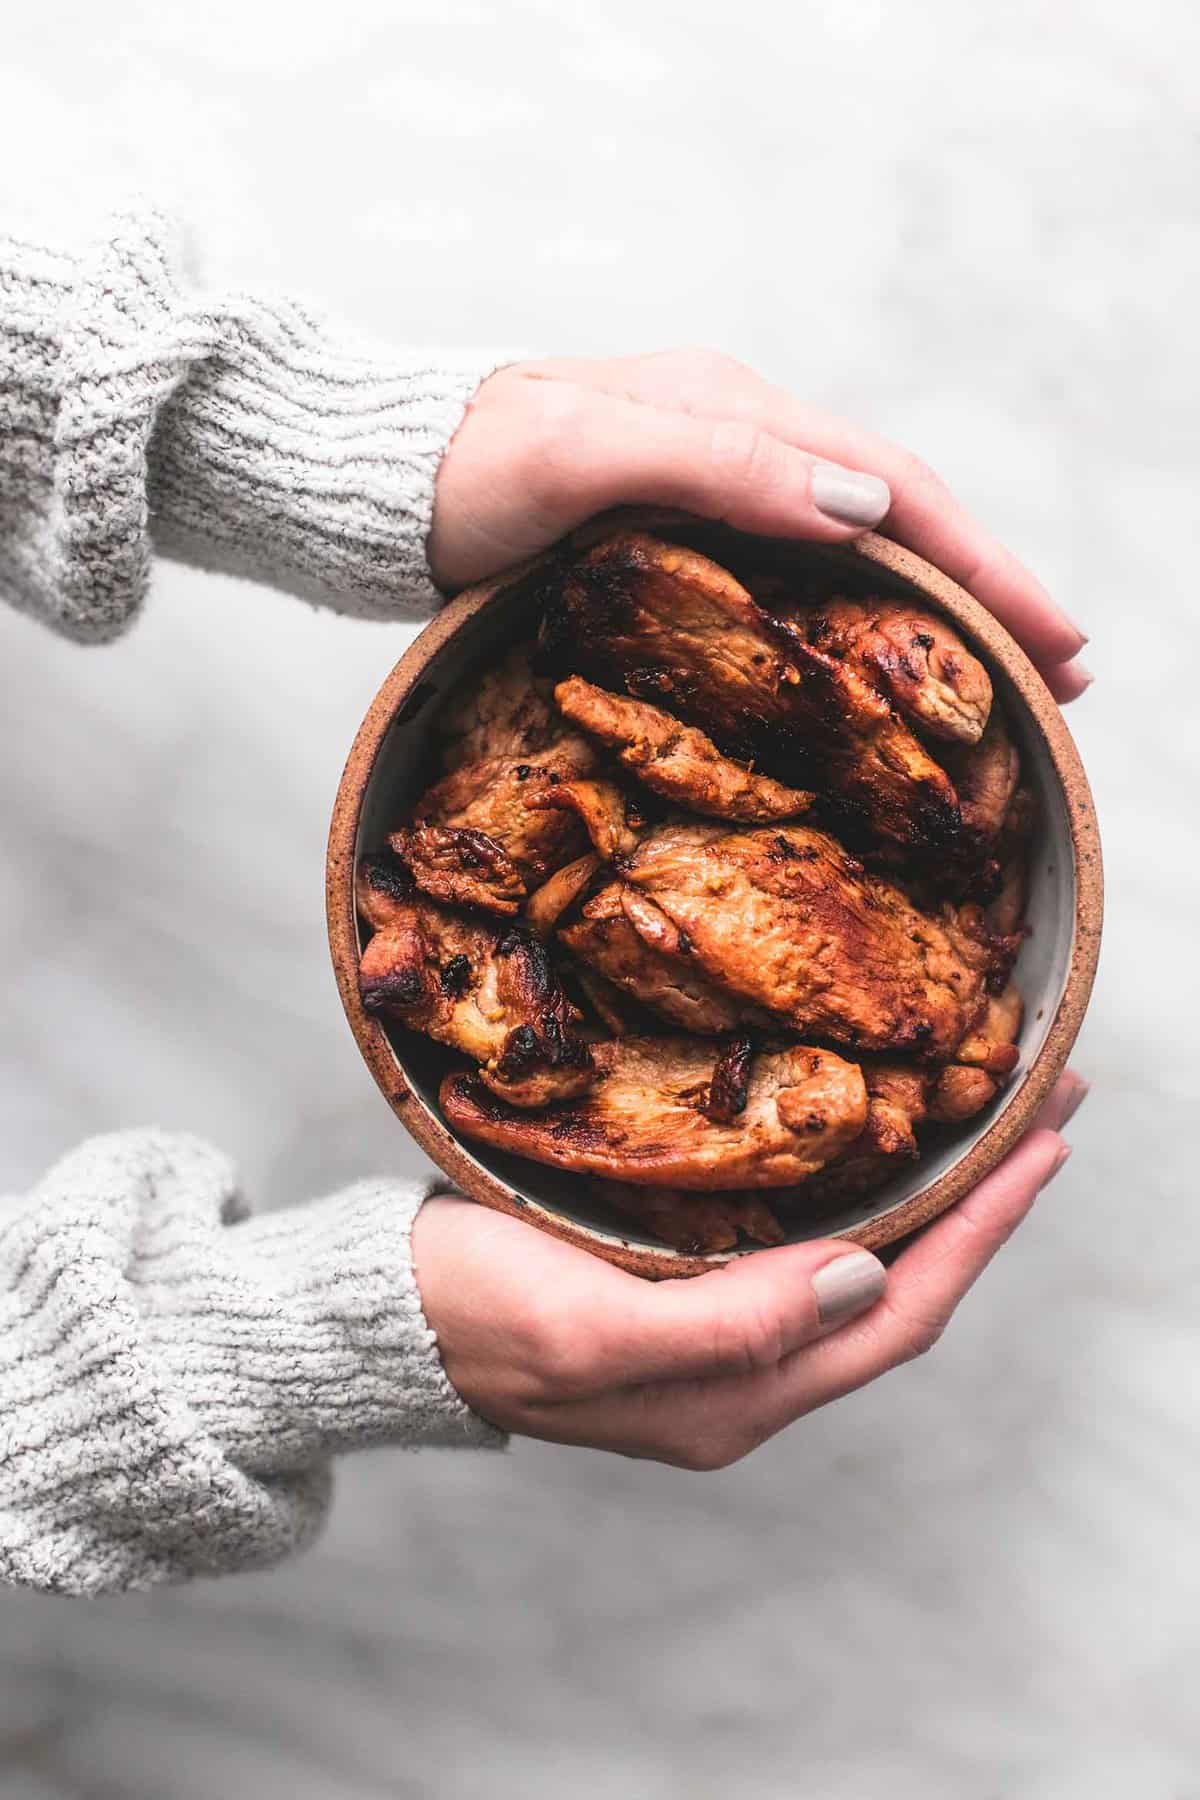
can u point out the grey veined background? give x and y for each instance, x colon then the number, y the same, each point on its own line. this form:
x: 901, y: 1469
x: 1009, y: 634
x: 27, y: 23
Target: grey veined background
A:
x: 974, y: 228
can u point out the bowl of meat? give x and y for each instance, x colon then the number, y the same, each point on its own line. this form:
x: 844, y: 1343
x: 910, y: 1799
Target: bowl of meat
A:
x: 690, y: 892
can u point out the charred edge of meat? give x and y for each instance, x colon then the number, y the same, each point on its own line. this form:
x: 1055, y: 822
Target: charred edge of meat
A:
x: 729, y: 1088
x: 456, y: 976
x: 385, y: 873
x: 544, y: 1046
x: 402, y: 989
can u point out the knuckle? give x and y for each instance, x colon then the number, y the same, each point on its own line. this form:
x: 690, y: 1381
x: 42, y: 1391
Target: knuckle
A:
x: 748, y: 1340
x: 742, y: 454
x: 703, y: 1456
x: 919, y: 1336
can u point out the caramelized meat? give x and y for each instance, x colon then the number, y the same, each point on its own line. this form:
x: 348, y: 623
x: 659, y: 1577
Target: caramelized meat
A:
x: 671, y: 627
x: 601, y: 809
x: 913, y: 657
x: 506, y: 712
x: 896, y: 1095
x: 787, y: 919
x: 383, y: 888
x: 985, y: 778
x: 697, y: 1224
x: 460, y: 866
x: 490, y: 992
x: 494, y: 797
x: 548, y: 903
x: 992, y: 1045
x: 729, y: 1088
x: 633, y: 944
x: 643, y: 1121
x: 677, y: 761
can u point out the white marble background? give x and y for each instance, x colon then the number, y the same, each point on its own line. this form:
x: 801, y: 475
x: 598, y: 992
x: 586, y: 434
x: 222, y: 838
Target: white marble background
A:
x: 974, y: 227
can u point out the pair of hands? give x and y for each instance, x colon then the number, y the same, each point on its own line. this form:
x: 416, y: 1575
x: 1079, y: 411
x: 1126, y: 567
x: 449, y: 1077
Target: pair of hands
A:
x: 544, y: 1339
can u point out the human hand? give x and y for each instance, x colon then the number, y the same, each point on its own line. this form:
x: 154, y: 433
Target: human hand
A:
x: 545, y: 445
x: 547, y: 1340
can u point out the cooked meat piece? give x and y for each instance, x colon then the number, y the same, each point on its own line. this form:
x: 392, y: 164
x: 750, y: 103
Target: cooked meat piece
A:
x: 548, y: 903
x: 729, y: 1088
x: 643, y: 1121
x: 505, y: 711
x: 644, y: 959
x: 992, y: 1044
x: 896, y: 1095
x: 601, y: 807
x: 613, y: 1008
x: 786, y: 918
x: 913, y: 657
x: 460, y: 866
x: 383, y: 888
x: 698, y: 1224
x: 677, y: 761
x: 959, y: 1093
x: 671, y: 627
x: 494, y: 797
x: 985, y: 777
x: 487, y: 990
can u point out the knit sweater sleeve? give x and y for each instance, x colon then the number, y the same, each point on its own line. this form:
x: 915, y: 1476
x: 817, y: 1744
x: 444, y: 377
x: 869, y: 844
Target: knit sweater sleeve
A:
x: 240, y: 433
x: 175, y: 1377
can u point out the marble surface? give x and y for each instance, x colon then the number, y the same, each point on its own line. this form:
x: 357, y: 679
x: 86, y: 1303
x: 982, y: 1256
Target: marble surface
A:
x: 975, y: 228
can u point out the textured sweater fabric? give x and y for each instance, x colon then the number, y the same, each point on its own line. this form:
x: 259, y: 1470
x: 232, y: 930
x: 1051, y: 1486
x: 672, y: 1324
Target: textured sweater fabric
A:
x: 175, y: 1377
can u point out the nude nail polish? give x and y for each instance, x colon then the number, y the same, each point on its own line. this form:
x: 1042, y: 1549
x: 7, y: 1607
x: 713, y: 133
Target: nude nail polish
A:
x: 849, y: 496
x: 1057, y: 1164
x: 848, y: 1286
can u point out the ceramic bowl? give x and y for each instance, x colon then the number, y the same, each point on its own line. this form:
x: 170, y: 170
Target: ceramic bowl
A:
x: 391, y: 763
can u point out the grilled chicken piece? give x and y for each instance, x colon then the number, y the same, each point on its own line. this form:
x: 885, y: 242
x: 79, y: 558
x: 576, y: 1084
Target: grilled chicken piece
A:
x: 460, y: 866
x: 671, y: 627
x: 896, y: 1095
x: 548, y: 903
x: 985, y: 777
x: 505, y: 712
x: 490, y: 991
x: 677, y: 761
x: 383, y: 889
x: 494, y: 797
x: 784, y: 917
x: 636, y: 947
x: 643, y: 1121
x: 602, y: 810
x: 697, y: 1224
x: 913, y: 657
x: 992, y: 1045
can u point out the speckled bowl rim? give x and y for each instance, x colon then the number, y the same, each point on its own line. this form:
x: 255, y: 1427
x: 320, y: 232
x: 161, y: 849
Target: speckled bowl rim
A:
x: 1021, y: 1104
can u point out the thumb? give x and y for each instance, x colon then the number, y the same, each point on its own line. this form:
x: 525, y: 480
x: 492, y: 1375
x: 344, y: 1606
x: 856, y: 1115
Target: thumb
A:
x: 748, y: 1315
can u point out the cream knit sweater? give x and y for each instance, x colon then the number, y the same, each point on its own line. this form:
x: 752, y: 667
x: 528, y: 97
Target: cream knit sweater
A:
x: 175, y: 1377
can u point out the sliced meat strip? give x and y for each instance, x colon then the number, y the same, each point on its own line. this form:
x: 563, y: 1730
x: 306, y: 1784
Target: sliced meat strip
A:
x: 677, y: 761
x: 602, y: 810
x: 643, y: 1121
x: 912, y: 656
x: 697, y: 1224
x: 494, y: 797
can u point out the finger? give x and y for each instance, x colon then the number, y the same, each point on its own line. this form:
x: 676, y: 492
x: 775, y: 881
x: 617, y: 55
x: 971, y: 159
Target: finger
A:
x: 594, y: 451
x: 748, y: 1315
x: 926, y: 1282
x: 1067, y: 681
x: 1067, y: 1096
x: 924, y: 515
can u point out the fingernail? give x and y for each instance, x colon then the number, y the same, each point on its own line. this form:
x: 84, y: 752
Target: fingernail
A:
x: 847, y: 1286
x: 1082, y: 1090
x: 1083, y: 673
x: 1057, y: 1164
x: 1077, y: 628
x: 849, y: 496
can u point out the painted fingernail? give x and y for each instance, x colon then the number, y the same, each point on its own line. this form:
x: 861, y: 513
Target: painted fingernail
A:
x: 1057, y: 1164
x: 1082, y: 673
x: 1082, y: 1090
x: 849, y: 496
x: 848, y: 1286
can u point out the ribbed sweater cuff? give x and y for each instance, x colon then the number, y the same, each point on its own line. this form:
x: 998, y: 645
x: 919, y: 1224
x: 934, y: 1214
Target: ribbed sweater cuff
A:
x: 175, y: 1378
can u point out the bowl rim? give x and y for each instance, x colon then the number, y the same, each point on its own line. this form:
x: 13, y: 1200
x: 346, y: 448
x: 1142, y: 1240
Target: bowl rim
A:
x: 1021, y: 1104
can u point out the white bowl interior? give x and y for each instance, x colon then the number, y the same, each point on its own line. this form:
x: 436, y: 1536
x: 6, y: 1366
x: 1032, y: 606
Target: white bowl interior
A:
x: 404, y: 766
